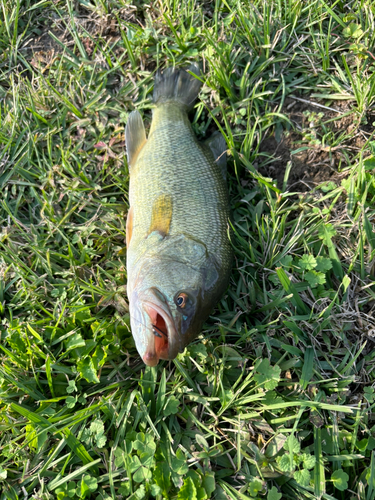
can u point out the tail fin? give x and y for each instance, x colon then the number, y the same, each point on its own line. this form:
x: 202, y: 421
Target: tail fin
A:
x: 177, y: 85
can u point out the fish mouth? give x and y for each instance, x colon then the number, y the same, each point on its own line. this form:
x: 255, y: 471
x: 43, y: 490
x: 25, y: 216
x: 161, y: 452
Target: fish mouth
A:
x: 162, y: 343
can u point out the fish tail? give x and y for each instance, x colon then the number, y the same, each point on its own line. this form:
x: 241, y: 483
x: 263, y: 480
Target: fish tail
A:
x: 177, y: 85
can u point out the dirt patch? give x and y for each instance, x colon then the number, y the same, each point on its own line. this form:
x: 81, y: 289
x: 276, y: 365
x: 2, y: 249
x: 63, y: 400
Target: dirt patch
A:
x: 321, y: 145
x: 55, y: 34
x: 310, y: 165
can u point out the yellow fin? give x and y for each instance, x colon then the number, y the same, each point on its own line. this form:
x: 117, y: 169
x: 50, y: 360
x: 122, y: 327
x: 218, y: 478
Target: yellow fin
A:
x: 135, y: 136
x: 129, y: 227
x: 161, y: 216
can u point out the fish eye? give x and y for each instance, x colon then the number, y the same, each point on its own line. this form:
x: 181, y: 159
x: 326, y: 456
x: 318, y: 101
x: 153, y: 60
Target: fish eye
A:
x: 181, y: 300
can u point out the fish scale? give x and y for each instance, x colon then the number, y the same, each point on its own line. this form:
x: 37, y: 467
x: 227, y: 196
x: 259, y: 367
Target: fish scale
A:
x: 173, y: 162
x: 178, y: 251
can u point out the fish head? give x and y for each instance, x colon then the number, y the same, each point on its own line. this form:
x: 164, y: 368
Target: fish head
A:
x: 173, y: 293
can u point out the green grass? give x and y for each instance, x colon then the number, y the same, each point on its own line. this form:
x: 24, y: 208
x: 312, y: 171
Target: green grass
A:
x: 275, y: 400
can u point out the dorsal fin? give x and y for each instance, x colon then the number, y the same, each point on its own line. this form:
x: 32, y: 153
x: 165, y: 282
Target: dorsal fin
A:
x: 161, y: 216
x: 135, y: 136
x: 218, y: 147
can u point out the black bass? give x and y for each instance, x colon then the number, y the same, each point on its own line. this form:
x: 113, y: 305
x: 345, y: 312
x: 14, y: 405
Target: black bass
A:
x: 178, y: 251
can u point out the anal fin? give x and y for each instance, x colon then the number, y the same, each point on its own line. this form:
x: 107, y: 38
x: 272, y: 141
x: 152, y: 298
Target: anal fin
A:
x: 135, y: 136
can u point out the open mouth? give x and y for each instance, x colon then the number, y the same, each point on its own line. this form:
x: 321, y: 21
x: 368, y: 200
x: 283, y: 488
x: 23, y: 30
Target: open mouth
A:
x: 160, y: 330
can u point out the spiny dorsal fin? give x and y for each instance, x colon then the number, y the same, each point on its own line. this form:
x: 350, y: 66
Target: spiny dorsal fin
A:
x: 135, y: 136
x: 161, y: 216
x: 218, y: 147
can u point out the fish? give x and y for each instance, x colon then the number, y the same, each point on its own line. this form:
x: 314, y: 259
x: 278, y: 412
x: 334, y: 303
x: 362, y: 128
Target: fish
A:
x: 178, y: 255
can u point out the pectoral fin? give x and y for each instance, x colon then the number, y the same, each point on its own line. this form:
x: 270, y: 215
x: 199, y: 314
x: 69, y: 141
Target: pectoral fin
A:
x: 135, y: 136
x: 129, y: 227
x: 218, y: 147
x: 161, y: 216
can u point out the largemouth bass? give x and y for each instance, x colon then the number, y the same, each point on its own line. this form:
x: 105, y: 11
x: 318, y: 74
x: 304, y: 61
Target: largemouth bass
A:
x: 178, y: 250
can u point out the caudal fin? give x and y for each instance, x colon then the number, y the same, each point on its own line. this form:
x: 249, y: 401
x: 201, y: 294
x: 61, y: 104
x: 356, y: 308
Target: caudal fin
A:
x: 175, y: 84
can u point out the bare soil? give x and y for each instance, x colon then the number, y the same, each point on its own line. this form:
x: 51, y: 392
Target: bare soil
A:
x: 313, y: 163
x: 43, y: 47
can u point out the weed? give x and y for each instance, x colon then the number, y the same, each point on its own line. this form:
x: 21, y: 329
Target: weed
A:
x: 274, y: 400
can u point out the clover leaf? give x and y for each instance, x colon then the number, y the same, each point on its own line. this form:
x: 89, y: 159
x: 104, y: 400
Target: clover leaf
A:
x: 308, y: 460
x: 368, y: 393
x: 286, y: 261
x: 121, y: 455
x: 323, y: 264
x: 353, y: 30
x: 267, y: 375
x: 340, y: 479
x: 315, y: 278
x: 273, y: 494
x: 292, y: 444
x: 139, y: 493
x: 179, y: 464
x: 87, y: 485
x: 302, y: 477
x: 198, y: 351
x: 141, y: 473
x: 71, y: 387
x: 284, y: 463
x: 94, y: 432
x: 71, y: 401
x: 255, y: 487
x: 369, y: 163
x: 144, y: 444
x: 307, y: 262
x: 171, y: 408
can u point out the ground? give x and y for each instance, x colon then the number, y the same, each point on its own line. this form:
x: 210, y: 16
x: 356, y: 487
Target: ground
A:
x: 274, y: 400
x: 314, y: 164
